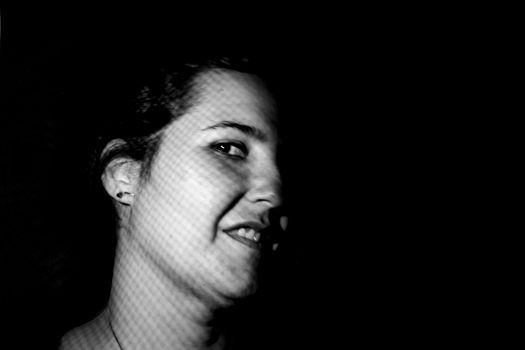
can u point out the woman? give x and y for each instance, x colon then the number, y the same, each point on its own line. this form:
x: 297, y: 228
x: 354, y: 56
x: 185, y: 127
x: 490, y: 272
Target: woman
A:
x: 194, y: 180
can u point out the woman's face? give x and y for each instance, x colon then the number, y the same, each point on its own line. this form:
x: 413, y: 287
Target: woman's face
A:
x: 201, y: 213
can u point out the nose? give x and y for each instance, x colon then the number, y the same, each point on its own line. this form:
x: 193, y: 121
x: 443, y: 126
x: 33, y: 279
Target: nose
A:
x: 265, y: 187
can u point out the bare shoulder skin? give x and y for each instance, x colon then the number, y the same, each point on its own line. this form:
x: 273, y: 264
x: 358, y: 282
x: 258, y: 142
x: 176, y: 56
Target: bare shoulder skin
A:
x: 95, y: 334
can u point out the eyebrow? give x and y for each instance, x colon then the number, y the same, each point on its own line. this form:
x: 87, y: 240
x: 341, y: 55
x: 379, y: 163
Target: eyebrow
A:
x: 246, y: 129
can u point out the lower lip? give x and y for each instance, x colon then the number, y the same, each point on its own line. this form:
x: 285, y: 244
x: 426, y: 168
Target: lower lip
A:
x: 248, y: 242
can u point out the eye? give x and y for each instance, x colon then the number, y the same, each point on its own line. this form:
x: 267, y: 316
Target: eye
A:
x: 231, y: 149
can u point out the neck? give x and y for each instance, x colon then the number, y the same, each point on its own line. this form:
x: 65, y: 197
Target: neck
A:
x: 147, y: 310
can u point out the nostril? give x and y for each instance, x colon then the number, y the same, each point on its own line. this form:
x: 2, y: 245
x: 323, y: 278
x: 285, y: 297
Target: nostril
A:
x: 276, y: 223
x: 275, y: 217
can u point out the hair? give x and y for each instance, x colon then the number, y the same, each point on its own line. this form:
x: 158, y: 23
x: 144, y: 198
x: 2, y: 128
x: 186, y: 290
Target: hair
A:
x: 161, y: 95
x: 134, y: 105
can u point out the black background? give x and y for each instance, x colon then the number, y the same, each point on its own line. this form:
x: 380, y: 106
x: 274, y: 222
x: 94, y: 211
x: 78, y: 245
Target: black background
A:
x: 56, y: 68
x: 356, y: 186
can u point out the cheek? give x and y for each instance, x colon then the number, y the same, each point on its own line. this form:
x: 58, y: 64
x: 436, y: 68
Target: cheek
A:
x: 213, y: 184
x: 203, y: 186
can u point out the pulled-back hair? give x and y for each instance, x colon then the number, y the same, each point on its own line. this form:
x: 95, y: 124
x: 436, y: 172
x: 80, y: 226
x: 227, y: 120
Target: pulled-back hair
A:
x: 159, y: 96
x: 135, y: 104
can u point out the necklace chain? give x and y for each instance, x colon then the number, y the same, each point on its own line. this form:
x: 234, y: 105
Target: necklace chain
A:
x: 114, y: 334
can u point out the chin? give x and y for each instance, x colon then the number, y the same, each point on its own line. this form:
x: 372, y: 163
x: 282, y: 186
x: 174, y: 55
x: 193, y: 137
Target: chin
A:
x: 239, y: 291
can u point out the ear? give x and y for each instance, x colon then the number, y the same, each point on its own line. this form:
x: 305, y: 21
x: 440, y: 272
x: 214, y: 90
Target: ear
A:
x: 121, y: 178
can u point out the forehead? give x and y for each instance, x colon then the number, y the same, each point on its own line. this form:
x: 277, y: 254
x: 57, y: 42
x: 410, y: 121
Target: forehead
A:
x: 235, y: 87
x: 228, y: 95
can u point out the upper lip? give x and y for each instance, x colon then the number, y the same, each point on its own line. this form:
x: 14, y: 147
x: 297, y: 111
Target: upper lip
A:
x: 257, y: 226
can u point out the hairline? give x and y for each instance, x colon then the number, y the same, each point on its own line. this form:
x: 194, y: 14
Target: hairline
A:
x: 195, y: 94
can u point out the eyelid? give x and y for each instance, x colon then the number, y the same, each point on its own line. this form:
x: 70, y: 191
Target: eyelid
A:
x: 237, y: 144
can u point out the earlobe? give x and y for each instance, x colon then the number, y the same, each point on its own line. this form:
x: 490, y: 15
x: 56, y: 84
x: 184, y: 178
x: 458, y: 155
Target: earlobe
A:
x: 126, y: 198
x: 121, y: 178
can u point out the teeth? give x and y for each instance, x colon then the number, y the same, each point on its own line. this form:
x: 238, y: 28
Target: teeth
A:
x: 242, y: 232
x: 250, y: 234
x: 284, y: 222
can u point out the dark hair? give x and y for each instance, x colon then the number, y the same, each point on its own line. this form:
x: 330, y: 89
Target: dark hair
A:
x: 135, y: 104
x: 160, y: 95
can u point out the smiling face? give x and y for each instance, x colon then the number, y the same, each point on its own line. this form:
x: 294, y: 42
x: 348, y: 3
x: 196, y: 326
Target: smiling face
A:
x: 203, y: 212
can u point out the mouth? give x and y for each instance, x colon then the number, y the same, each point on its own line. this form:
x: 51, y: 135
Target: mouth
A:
x: 246, y: 235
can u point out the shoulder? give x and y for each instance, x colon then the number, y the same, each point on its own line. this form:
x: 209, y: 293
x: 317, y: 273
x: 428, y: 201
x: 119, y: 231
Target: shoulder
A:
x: 89, y: 336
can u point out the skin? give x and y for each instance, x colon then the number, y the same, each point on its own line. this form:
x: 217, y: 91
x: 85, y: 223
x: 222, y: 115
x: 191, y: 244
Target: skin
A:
x: 175, y: 265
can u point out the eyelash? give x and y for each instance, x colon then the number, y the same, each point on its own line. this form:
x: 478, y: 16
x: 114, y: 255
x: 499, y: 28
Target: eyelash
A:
x: 219, y: 148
